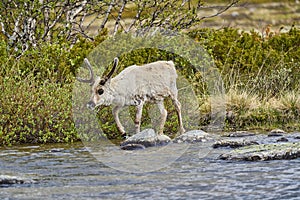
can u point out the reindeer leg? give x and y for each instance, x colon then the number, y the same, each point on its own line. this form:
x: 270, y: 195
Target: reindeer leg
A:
x: 115, y: 112
x: 163, y: 115
x: 138, y: 116
x: 178, y: 110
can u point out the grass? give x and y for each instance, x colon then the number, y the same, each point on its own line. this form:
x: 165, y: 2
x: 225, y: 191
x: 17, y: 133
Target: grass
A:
x: 251, y: 112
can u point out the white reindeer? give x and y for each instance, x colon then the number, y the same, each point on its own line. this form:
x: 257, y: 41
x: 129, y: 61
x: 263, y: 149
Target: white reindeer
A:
x: 136, y: 85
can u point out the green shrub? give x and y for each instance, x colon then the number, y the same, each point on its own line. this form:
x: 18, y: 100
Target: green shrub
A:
x: 35, y: 113
x: 36, y: 89
x: 36, y: 92
x: 249, y: 61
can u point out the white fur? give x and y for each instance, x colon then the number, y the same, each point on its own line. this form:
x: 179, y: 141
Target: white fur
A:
x: 136, y: 85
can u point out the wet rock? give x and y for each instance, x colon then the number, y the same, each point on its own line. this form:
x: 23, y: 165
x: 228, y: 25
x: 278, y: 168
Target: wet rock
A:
x: 296, y: 135
x: 11, y: 180
x: 193, y: 137
x: 276, y: 133
x: 56, y: 150
x: 282, y: 139
x: 260, y: 152
x: 239, y: 134
x: 147, y: 138
x: 133, y: 147
x: 233, y: 143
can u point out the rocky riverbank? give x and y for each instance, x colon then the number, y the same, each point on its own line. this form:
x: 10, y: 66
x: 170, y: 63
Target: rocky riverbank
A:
x: 240, y: 145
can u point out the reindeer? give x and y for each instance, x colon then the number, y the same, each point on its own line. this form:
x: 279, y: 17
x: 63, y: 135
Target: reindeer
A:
x: 134, y: 86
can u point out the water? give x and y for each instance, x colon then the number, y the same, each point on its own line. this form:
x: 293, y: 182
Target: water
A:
x: 71, y: 172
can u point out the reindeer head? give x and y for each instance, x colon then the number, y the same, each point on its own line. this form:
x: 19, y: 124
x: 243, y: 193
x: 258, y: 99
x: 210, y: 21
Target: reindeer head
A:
x: 99, y: 85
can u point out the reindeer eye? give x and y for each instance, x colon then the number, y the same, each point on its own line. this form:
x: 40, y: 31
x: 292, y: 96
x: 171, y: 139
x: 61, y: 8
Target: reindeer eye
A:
x: 100, y: 91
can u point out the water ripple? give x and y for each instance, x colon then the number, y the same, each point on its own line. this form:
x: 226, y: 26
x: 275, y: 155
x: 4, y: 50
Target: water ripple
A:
x: 70, y: 172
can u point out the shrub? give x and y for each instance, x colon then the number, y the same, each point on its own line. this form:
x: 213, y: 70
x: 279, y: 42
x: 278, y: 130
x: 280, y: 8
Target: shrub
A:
x: 34, y: 113
x: 261, y: 78
x: 249, y: 61
x: 36, y: 92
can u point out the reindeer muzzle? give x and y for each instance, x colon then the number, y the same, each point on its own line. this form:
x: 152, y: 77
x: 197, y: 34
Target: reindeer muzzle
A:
x: 91, y: 105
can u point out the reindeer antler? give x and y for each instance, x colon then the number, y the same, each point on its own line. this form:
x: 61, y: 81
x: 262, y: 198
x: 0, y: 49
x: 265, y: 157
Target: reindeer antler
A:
x: 92, y: 78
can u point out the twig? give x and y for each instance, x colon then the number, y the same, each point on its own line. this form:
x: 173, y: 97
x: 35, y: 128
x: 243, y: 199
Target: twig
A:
x: 112, y: 3
x: 137, y: 16
x: 119, y: 16
x: 220, y: 11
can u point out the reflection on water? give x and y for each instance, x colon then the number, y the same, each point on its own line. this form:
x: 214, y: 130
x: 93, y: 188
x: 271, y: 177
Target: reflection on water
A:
x: 71, y: 172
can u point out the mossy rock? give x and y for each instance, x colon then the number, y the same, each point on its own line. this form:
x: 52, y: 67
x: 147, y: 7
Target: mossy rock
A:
x: 234, y: 143
x: 276, y: 151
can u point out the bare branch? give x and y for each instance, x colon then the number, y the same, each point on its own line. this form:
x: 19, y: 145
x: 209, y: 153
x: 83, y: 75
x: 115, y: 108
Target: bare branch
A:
x: 27, y: 24
x: 119, y: 16
x: 233, y: 3
x: 137, y: 16
x: 112, y: 3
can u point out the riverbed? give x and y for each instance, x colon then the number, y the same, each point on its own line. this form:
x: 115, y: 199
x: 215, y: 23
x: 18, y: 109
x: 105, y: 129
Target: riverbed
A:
x: 70, y: 171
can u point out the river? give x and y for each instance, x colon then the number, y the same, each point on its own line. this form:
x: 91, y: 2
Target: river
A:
x: 70, y: 171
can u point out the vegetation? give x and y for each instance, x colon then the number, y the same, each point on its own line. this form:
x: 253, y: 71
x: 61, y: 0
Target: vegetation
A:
x: 261, y: 78
x: 260, y: 73
x: 36, y: 92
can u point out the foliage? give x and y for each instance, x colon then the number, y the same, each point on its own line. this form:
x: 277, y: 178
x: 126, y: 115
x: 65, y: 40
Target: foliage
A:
x: 36, y: 93
x: 259, y: 72
x: 28, y: 24
x: 249, y: 61
x: 261, y: 78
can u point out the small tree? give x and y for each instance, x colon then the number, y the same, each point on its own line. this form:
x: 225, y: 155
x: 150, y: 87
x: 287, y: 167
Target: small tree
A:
x: 28, y: 23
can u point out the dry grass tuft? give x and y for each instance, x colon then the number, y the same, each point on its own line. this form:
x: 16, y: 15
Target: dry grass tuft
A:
x: 241, y: 100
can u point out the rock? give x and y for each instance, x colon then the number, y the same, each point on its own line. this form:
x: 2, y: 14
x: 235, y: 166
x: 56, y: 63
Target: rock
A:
x: 239, y: 134
x: 133, y: 147
x: 193, y: 137
x: 233, y: 143
x: 147, y: 138
x: 276, y: 133
x: 56, y: 150
x: 10, y: 180
x: 275, y: 151
x: 282, y: 139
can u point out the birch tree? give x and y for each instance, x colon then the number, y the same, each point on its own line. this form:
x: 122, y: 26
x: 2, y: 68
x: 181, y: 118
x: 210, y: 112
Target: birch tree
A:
x: 28, y: 23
